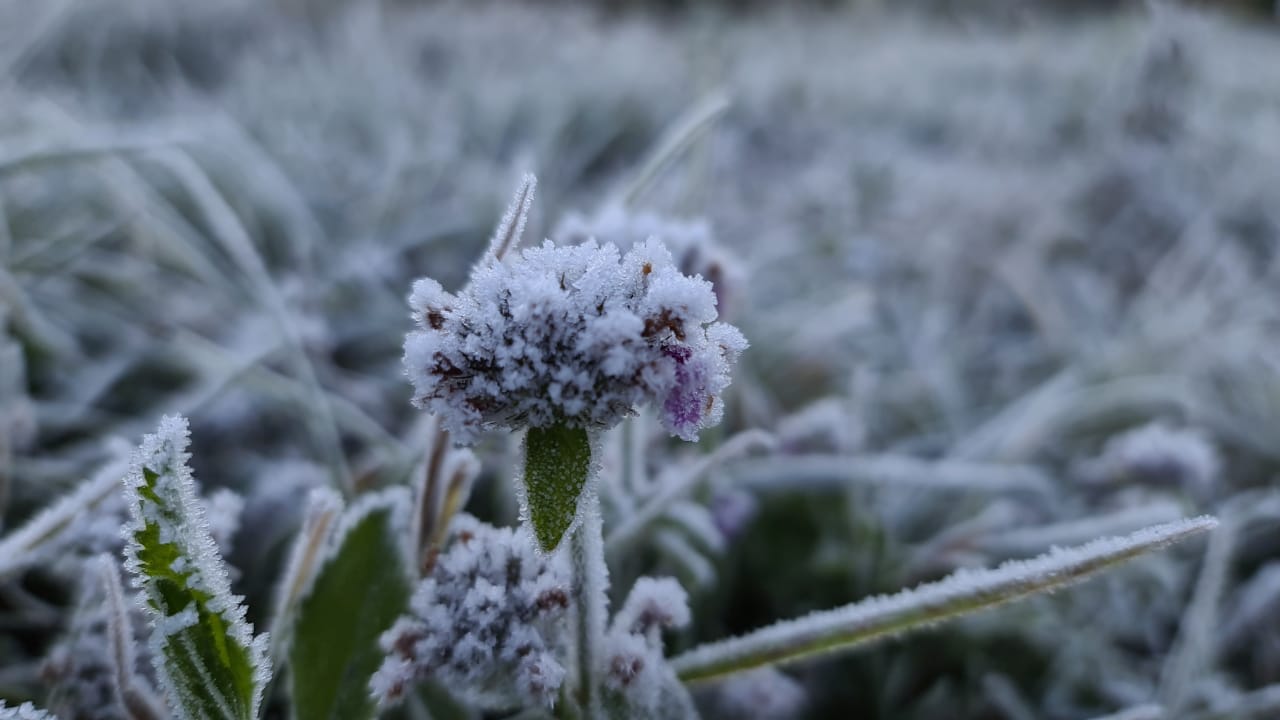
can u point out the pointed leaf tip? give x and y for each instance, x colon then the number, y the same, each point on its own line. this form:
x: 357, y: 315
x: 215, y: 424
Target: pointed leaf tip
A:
x: 511, y: 228
x: 557, y: 465
x: 208, y: 661
x: 359, y: 591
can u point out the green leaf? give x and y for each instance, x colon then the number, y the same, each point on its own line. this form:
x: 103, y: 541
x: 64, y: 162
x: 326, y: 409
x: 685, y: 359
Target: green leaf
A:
x: 209, y: 663
x: 557, y: 464
x: 358, y: 593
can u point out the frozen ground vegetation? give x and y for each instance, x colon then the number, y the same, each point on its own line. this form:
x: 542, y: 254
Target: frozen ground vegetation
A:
x: 303, y: 415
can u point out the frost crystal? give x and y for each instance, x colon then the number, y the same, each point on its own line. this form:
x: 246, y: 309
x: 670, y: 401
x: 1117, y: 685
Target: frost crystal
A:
x: 578, y: 336
x: 488, y: 622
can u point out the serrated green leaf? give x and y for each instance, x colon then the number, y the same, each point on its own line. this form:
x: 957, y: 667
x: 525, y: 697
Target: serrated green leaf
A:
x: 557, y: 463
x: 210, y: 665
x: 358, y: 593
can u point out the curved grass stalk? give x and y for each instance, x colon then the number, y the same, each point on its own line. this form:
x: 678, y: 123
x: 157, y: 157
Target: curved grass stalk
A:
x: 961, y: 593
x: 687, y: 129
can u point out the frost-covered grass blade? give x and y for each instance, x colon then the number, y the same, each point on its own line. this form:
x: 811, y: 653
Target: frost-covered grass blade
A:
x: 358, y: 593
x: 207, y: 659
x: 959, y: 594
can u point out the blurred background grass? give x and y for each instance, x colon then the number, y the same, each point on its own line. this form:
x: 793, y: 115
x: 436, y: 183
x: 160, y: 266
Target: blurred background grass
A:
x: 981, y: 237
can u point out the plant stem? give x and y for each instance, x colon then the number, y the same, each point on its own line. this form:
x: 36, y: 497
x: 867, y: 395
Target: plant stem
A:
x: 590, y: 587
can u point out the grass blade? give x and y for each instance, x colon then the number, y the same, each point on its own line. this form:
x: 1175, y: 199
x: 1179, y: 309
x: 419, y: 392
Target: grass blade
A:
x: 959, y: 594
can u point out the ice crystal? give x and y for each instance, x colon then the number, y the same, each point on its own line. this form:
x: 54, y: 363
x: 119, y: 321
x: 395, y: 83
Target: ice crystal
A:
x: 578, y: 336
x: 488, y: 621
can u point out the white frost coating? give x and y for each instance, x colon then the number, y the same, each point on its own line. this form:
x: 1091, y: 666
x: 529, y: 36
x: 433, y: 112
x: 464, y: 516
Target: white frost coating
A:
x: 177, y: 622
x: 590, y: 597
x: 25, y: 711
x: 489, y: 622
x: 692, y: 243
x: 959, y: 593
x: 762, y: 694
x: 511, y: 228
x: 579, y: 336
x: 180, y: 518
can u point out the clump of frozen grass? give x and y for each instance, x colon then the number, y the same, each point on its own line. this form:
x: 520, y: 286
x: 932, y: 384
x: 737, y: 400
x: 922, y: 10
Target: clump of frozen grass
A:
x: 575, y: 336
x: 488, y: 622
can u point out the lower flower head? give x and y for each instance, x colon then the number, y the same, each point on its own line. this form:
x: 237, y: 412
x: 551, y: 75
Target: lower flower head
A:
x: 579, y: 335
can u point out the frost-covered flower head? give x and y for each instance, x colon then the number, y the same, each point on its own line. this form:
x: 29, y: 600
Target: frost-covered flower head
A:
x: 579, y: 336
x: 633, y: 666
x: 488, y: 622
x: 25, y: 711
x: 1158, y: 454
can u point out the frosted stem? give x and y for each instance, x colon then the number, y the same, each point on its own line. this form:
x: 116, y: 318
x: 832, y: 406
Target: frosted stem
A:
x: 590, y: 588
x: 958, y: 594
